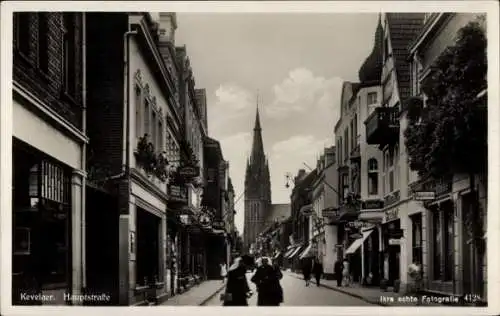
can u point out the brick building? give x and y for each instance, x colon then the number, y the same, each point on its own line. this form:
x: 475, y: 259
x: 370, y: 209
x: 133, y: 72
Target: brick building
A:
x: 49, y: 139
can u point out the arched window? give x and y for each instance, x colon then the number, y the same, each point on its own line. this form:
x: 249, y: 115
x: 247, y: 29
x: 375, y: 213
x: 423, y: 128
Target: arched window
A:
x: 372, y: 176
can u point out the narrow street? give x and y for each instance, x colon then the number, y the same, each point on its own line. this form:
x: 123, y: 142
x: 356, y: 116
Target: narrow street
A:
x: 297, y: 294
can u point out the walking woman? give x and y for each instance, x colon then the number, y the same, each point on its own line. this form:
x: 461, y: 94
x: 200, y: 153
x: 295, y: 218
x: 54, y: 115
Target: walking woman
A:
x: 338, y: 272
x: 306, y: 270
x: 317, y: 270
x: 267, y: 279
x: 237, y: 289
x: 346, y: 273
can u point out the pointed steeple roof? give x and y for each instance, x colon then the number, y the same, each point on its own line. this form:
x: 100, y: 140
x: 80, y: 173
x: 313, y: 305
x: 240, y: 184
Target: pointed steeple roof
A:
x: 257, y: 155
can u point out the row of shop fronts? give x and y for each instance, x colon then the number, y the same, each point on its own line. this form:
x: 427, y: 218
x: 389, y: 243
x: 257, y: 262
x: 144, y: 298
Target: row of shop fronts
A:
x: 102, y: 215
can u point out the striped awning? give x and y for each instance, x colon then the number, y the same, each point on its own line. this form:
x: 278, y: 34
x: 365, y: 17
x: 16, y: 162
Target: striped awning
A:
x: 295, y: 252
x: 289, y: 252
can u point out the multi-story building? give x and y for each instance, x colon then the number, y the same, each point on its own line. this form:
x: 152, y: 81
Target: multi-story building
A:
x: 300, y: 200
x: 48, y: 165
x: 214, y: 198
x: 437, y: 236
x: 383, y: 129
x: 325, y: 199
x: 136, y: 136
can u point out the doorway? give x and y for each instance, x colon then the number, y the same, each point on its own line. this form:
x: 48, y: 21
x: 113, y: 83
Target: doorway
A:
x: 148, y: 248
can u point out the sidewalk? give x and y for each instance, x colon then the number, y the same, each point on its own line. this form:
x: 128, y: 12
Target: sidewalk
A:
x: 371, y: 295
x: 197, y: 295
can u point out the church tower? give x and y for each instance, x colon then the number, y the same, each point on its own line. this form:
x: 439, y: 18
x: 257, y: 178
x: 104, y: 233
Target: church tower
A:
x: 257, y: 188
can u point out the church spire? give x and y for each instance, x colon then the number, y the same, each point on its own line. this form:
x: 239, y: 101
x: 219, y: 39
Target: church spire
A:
x: 257, y: 155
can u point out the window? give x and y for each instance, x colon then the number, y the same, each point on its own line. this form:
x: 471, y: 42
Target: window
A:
x: 147, y: 118
x: 69, y: 60
x: 138, y: 112
x: 43, y: 45
x: 448, y: 241
x: 346, y: 143
x: 372, y: 98
x: 372, y: 176
x: 154, y: 133
x: 416, y: 228
x: 345, y: 186
x: 23, y: 22
x: 438, y: 240
x: 355, y: 131
x: 390, y: 183
x: 160, y: 136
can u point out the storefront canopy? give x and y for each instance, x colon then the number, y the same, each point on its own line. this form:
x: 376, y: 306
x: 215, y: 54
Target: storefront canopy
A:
x: 289, y: 252
x: 308, y: 252
x: 358, y: 242
x: 294, y: 253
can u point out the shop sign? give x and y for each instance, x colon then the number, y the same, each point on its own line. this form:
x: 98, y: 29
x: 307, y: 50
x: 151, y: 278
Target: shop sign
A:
x: 396, y: 233
x: 189, y: 171
x: 424, y: 195
x: 218, y: 225
x: 204, y: 220
x: 391, y: 214
x: 329, y: 212
x: 356, y: 236
x: 372, y: 204
x: 394, y: 242
x: 177, y: 192
x: 357, y: 224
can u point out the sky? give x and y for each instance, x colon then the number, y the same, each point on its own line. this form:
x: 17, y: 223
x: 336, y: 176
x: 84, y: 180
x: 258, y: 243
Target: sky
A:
x: 295, y: 62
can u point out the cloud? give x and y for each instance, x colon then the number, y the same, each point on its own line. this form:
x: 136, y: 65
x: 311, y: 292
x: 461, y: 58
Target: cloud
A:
x: 232, y: 98
x: 290, y: 155
x: 301, y: 91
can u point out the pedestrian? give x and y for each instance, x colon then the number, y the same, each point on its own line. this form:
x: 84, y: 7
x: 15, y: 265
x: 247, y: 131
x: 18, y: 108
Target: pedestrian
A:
x: 317, y: 270
x: 346, y: 273
x: 237, y: 290
x: 223, y: 271
x: 267, y: 279
x: 306, y: 270
x: 338, y: 272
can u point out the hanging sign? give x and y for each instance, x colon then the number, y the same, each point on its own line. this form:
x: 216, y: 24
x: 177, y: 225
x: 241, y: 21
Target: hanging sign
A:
x: 372, y: 204
x: 189, y: 171
x: 424, y: 195
x: 218, y: 225
x: 391, y: 214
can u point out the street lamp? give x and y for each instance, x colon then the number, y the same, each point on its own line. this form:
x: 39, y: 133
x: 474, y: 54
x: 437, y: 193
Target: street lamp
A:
x: 289, y: 178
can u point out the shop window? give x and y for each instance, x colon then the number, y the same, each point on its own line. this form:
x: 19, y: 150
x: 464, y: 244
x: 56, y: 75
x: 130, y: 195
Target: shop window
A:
x: 43, y: 41
x: 416, y: 228
x: 437, y: 237
x: 147, y: 117
x: 372, y: 177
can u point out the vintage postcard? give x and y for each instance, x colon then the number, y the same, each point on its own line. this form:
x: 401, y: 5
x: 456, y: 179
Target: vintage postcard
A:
x: 331, y: 156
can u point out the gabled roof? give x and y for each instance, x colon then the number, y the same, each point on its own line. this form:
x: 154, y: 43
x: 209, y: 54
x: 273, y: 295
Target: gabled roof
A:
x: 403, y: 29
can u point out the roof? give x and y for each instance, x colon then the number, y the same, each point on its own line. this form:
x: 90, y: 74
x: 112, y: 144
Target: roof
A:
x: 371, y: 70
x: 278, y: 212
x: 403, y: 29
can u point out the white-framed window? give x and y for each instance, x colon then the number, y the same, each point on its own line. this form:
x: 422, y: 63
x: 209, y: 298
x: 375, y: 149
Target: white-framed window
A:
x: 390, y: 178
x: 372, y: 176
x: 371, y: 98
x: 147, y: 117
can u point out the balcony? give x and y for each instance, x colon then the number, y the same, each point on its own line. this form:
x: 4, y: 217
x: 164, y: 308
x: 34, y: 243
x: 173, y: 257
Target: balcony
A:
x: 382, y: 126
x: 356, y: 151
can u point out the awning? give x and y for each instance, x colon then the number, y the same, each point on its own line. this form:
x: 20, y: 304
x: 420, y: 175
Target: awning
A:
x: 295, y: 252
x: 357, y: 243
x: 308, y: 252
x: 277, y: 255
x: 289, y: 252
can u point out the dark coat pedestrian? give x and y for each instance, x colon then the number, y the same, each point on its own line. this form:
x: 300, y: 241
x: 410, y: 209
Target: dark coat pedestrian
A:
x: 307, y: 270
x: 339, y: 266
x: 267, y: 279
x: 237, y: 289
x: 317, y: 271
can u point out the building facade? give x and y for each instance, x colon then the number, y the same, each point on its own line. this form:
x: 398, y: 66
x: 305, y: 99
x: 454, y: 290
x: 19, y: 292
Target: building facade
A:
x: 257, y: 188
x: 49, y: 140
x: 440, y: 239
x: 325, y: 199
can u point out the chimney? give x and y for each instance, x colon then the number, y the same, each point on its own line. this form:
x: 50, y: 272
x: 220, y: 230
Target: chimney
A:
x: 167, y: 27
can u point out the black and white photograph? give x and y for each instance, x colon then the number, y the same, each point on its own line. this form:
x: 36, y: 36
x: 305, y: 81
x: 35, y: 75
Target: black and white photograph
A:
x: 162, y: 157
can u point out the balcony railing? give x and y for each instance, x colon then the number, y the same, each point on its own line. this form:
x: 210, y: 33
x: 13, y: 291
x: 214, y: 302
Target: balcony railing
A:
x: 439, y: 186
x: 382, y: 126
